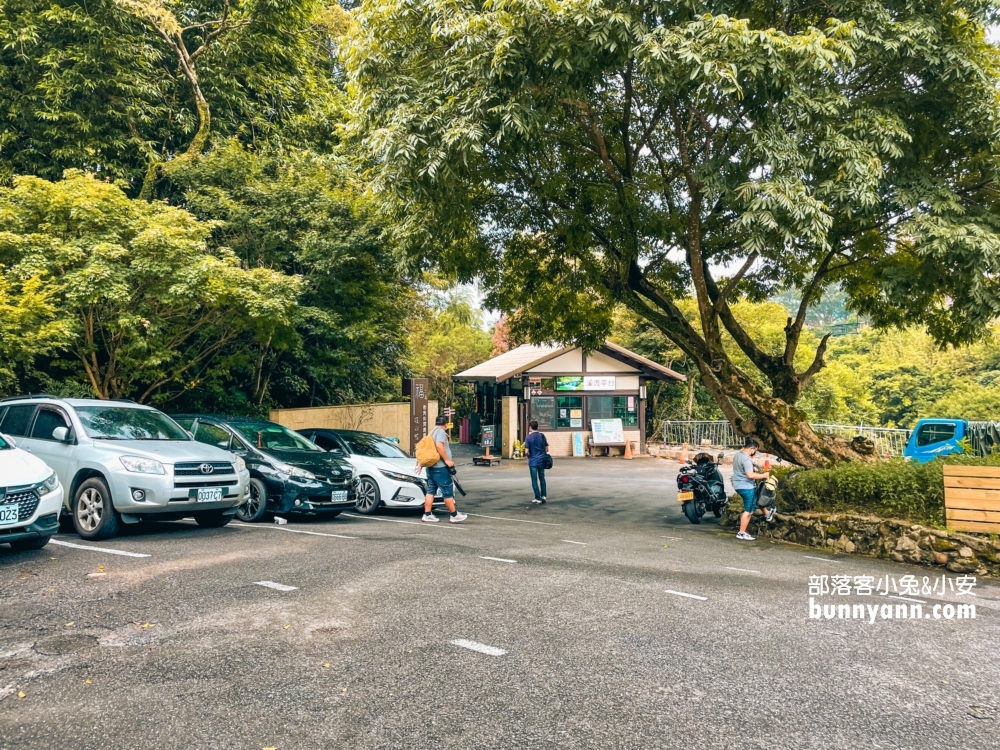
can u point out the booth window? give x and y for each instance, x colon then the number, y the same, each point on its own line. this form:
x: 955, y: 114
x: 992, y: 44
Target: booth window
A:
x: 569, y: 411
x: 543, y: 409
x: 600, y: 407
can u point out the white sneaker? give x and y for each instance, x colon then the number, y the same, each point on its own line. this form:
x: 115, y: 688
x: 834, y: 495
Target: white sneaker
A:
x: 429, y: 518
x: 769, y: 514
x: 457, y: 518
x: 536, y: 501
x: 744, y: 537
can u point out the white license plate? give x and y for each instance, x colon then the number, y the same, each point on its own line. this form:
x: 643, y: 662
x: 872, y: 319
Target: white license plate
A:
x: 211, y: 495
x: 684, y: 496
x: 8, y: 515
x: 338, y: 496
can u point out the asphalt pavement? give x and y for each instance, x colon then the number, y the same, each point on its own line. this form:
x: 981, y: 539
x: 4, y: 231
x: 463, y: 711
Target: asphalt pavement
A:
x: 600, y: 620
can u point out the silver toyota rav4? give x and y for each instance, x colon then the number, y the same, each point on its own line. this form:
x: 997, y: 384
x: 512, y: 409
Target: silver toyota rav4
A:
x: 121, y: 462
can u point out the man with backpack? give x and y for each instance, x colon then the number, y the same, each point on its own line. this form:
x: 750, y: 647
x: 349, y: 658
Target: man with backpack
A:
x: 538, y: 448
x: 438, y: 472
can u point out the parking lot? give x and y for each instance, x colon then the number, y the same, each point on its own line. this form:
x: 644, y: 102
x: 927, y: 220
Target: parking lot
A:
x: 602, y: 620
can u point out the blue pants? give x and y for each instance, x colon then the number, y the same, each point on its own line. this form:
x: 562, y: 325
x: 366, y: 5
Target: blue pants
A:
x: 537, y: 479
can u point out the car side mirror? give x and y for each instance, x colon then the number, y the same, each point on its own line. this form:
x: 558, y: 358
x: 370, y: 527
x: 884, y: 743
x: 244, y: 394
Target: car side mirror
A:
x: 61, y: 434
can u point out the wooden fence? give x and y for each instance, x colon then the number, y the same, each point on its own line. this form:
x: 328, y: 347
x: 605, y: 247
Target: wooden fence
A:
x: 390, y: 420
x: 972, y: 498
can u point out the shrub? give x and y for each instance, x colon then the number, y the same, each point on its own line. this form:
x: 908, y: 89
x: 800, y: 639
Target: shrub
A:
x: 891, y: 489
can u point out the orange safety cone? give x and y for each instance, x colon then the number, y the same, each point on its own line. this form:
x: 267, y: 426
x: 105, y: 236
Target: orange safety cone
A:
x: 684, y: 454
x: 628, y: 450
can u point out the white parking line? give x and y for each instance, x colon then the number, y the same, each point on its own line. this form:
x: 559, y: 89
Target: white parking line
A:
x: 908, y: 599
x: 276, y: 586
x: 498, y: 559
x: 480, y: 647
x: 824, y: 559
x: 570, y: 541
x: 741, y: 570
x: 295, y: 531
x: 515, y: 520
x: 689, y: 596
x: 121, y: 552
x: 394, y: 520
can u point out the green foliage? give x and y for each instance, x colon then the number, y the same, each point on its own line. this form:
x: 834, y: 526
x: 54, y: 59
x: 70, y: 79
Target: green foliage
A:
x: 300, y: 213
x: 890, y: 489
x: 30, y: 326
x: 152, y: 309
x: 446, y: 338
x: 87, y: 85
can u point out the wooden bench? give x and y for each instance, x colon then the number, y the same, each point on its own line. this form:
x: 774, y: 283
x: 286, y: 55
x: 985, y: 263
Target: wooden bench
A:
x: 972, y: 498
x: 592, y: 446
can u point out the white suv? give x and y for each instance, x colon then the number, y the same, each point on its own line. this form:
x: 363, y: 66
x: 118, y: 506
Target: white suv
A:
x: 121, y: 462
x: 30, y: 498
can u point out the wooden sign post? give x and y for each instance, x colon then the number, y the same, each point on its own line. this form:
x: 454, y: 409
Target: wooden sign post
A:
x: 416, y: 389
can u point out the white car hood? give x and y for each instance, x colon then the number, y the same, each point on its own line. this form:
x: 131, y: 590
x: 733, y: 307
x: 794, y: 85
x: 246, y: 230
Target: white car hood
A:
x: 18, y: 468
x: 167, y: 452
x: 400, y: 465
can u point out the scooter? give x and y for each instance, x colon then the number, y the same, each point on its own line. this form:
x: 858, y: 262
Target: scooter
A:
x: 700, y: 487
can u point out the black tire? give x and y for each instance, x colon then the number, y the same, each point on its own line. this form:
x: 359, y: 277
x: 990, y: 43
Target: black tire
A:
x: 66, y: 523
x: 256, y: 503
x: 691, y: 511
x: 26, y: 545
x: 94, y: 514
x: 212, y: 519
x: 369, y: 496
x: 717, y: 511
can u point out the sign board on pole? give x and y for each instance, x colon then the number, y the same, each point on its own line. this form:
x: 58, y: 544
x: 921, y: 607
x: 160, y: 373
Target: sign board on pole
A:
x: 417, y: 388
x: 488, y: 436
x: 607, y: 431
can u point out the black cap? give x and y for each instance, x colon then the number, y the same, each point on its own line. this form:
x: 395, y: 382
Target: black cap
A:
x: 440, y: 419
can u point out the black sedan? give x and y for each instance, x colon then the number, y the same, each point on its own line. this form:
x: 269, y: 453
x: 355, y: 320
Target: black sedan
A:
x: 288, y: 474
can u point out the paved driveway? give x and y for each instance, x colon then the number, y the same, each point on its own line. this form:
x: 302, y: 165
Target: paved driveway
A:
x: 602, y: 620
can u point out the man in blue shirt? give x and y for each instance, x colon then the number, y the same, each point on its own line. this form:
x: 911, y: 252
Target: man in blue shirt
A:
x: 537, y: 447
x: 744, y: 476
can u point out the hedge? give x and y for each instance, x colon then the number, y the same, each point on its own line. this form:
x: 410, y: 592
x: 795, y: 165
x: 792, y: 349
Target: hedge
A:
x: 890, y: 489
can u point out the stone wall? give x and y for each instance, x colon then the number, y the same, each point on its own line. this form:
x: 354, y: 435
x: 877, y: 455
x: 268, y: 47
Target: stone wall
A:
x: 888, y: 538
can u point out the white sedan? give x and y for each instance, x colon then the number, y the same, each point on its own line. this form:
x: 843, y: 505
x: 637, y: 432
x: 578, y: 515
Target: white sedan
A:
x: 30, y: 498
x: 387, y: 477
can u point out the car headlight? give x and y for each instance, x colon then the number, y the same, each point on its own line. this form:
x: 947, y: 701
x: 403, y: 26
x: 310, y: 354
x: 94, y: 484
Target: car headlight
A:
x: 293, y: 471
x: 399, y: 477
x: 141, y: 465
x: 241, y: 465
x: 49, y: 484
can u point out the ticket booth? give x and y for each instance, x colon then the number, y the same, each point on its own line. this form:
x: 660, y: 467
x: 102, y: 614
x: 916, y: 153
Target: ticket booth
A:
x: 565, y: 390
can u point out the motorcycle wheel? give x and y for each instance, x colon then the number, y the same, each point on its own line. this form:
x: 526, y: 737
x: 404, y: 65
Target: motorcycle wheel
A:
x: 691, y: 511
x: 717, y: 511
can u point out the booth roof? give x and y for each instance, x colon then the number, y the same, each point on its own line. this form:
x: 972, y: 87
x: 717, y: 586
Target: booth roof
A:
x: 523, y: 358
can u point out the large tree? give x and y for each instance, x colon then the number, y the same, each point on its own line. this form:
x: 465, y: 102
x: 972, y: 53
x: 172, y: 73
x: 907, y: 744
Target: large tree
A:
x: 604, y: 151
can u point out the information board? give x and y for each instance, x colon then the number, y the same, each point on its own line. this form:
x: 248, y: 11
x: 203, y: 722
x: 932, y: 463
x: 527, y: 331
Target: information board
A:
x: 487, y: 438
x: 607, y: 431
x: 577, y: 443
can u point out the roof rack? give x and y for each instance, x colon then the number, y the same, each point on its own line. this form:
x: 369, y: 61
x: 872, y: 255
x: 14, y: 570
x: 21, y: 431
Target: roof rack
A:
x: 29, y: 395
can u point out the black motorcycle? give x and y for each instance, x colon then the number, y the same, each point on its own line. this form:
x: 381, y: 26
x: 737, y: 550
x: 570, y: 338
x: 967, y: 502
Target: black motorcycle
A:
x: 700, y: 487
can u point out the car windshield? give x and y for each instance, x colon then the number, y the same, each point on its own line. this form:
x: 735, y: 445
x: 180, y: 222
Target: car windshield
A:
x: 368, y: 444
x: 128, y: 423
x: 268, y: 435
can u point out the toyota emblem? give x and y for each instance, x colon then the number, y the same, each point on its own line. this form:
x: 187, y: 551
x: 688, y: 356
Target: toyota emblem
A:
x: 206, y: 468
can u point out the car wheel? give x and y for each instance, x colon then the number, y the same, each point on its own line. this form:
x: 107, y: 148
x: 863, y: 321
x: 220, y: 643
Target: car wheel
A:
x: 256, y: 503
x: 94, y: 515
x: 25, y: 545
x: 369, y: 496
x: 212, y: 519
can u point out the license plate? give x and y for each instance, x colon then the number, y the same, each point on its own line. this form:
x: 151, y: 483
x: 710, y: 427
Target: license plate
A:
x: 683, y: 496
x: 210, y: 495
x: 338, y: 496
x: 8, y: 515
